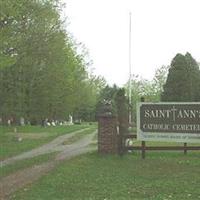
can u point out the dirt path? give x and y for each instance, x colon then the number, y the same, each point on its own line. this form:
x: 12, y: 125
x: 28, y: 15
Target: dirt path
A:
x: 20, y: 179
x: 53, y: 146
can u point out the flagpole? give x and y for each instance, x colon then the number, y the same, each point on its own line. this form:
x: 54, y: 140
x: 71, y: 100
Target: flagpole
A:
x: 130, y: 72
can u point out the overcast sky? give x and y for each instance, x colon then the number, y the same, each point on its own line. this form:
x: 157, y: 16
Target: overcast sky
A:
x: 160, y: 29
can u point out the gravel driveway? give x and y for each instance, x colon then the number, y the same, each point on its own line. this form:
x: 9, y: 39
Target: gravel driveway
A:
x: 20, y: 179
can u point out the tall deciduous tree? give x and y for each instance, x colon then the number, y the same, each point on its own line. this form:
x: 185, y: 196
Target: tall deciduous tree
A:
x: 42, y: 75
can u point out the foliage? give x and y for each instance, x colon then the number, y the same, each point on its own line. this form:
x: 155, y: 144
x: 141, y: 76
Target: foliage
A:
x: 183, y: 81
x: 159, y: 80
x: 150, y: 90
x: 178, y: 82
x: 42, y: 75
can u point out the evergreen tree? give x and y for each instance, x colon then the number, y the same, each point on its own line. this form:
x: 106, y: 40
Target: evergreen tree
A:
x: 183, y: 80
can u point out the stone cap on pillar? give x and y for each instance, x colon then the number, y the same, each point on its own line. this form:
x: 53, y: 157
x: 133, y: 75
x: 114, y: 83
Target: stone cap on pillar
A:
x: 106, y: 109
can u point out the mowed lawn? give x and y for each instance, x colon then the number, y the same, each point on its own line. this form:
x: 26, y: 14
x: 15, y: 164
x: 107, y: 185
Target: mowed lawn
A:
x: 161, y: 176
x: 32, y: 136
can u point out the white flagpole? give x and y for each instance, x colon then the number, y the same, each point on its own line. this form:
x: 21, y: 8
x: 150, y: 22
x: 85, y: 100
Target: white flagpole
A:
x: 130, y: 64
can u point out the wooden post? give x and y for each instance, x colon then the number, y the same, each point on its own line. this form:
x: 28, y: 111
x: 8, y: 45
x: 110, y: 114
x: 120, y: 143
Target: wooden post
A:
x: 120, y: 145
x: 143, y: 142
x: 143, y: 149
x: 185, y: 148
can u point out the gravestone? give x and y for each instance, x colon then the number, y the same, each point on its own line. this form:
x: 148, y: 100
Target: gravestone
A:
x: 70, y: 120
x: 22, y: 121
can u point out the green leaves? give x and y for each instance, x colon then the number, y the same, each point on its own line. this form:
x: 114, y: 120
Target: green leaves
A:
x: 42, y: 74
x: 183, y: 81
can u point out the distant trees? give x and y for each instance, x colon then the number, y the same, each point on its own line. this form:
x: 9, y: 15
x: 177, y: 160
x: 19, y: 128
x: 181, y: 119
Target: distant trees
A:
x: 183, y: 81
x: 150, y: 89
x: 178, y: 82
x: 42, y: 75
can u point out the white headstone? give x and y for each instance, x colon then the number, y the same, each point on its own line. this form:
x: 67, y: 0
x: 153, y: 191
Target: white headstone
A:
x: 70, y: 119
x: 22, y: 121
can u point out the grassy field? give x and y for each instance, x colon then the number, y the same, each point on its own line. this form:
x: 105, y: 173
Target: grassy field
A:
x: 32, y: 136
x: 22, y: 164
x: 162, y: 176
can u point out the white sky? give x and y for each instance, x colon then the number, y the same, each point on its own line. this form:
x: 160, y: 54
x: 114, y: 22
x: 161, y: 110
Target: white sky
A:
x: 160, y: 29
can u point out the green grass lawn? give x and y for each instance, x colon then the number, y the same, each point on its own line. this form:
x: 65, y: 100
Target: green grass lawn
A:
x: 33, y: 136
x: 22, y: 164
x: 161, y: 176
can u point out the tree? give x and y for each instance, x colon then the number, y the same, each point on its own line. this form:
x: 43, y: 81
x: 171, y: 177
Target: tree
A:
x: 42, y: 73
x: 150, y: 89
x: 183, y: 80
x: 159, y: 80
x: 35, y: 42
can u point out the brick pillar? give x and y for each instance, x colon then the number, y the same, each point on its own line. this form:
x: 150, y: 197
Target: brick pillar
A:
x: 107, y: 135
